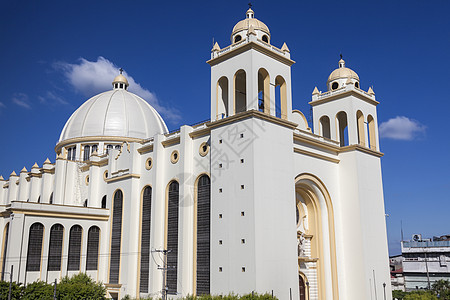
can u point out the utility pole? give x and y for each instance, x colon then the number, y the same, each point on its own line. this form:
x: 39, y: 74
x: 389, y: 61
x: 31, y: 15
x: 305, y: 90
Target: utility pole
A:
x: 164, y: 268
x: 426, y: 266
x: 54, y: 290
x: 10, y: 282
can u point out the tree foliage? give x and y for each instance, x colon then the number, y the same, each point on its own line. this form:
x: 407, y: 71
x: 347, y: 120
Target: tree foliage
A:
x: 16, y: 290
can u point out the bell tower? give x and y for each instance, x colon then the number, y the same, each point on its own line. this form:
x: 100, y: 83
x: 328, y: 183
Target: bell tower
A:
x: 251, y: 73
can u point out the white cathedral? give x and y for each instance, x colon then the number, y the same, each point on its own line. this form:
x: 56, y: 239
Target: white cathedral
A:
x: 251, y: 200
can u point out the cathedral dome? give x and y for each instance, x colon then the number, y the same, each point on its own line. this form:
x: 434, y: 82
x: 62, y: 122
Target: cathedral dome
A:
x: 250, y: 22
x: 115, y: 113
x: 342, y: 76
x: 342, y: 72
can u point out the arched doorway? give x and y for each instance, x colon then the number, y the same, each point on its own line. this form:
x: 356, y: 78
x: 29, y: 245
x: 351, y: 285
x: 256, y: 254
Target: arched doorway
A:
x: 316, y: 239
x: 302, y: 286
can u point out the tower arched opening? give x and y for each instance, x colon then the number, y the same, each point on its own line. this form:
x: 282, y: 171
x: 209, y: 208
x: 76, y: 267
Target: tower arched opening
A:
x: 222, y: 98
x: 360, y: 128
x: 263, y: 91
x: 372, y: 138
x: 325, y: 130
x: 341, y: 119
x: 280, y: 97
x: 240, y: 91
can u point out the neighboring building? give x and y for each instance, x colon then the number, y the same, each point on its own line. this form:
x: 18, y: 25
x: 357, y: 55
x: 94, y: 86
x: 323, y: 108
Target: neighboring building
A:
x: 397, y: 278
x: 425, y: 261
x: 252, y: 200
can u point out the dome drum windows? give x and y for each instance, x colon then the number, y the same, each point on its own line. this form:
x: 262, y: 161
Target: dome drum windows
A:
x: 71, y: 152
x: 334, y: 86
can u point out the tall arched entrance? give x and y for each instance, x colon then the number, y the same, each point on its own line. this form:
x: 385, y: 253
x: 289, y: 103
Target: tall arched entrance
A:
x: 315, y: 239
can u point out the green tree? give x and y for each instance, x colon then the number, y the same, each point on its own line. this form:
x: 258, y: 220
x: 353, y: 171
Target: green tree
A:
x: 38, y: 290
x: 420, y: 295
x: 16, y: 290
x: 442, y: 289
x: 81, y: 287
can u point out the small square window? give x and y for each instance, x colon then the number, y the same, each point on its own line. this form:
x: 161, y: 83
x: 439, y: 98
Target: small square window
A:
x: 220, y: 269
x: 220, y: 216
x: 243, y: 269
x: 220, y: 242
x: 242, y: 187
x: 242, y: 160
x: 242, y: 241
x: 242, y: 135
x: 242, y: 213
x: 220, y: 141
x: 220, y: 190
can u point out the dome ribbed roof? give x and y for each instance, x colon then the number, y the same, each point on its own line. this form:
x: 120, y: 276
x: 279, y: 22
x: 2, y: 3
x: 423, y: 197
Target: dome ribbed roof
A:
x: 342, y: 72
x: 250, y: 21
x: 116, y: 113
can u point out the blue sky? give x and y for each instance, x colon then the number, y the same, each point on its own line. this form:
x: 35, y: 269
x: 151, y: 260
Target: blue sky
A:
x: 56, y: 54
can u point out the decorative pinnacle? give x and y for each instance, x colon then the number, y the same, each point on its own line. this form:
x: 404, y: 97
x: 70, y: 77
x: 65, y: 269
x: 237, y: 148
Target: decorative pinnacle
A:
x: 315, y: 91
x: 35, y: 166
x: 13, y: 173
x: 47, y: 161
x: 24, y: 170
x: 1, y: 177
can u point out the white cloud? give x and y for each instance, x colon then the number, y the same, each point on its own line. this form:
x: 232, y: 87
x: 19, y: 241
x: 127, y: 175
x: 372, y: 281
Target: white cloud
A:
x: 402, y: 128
x: 51, y: 98
x: 2, y: 105
x: 21, y: 100
x: 93, y: 77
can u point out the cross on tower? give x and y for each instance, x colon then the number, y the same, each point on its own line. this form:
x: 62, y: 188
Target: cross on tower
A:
x: 340, y: 55
x: 121, y: 70
x: 250, y: 5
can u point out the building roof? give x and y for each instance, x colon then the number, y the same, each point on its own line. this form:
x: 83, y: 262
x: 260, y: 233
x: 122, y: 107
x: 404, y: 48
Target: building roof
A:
x: 117, y: 113
x: 250, y: 21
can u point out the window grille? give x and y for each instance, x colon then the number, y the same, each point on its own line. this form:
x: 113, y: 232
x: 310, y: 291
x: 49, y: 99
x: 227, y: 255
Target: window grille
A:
x: 145, y: 239
x: 172, y: 237
x: 92, y: 248
x: 35, y: 247
x: 116, y: 238
x: 73, y: 263
x: 203, y: 235
x: 55, y: 247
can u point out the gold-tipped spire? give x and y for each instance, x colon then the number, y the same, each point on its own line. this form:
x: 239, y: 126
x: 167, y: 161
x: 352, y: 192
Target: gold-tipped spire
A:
x: 315, y: 91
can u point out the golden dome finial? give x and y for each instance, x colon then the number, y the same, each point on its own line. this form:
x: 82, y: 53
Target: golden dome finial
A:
x: 120, y: 82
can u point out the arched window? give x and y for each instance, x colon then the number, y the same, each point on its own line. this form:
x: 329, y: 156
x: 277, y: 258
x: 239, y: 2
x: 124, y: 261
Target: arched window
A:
x: 39, y: 199
x: 35, y: 247
x: 237, y: 38
x: 145, y: 238
x: 240, y: 92
x: 85, y: 204
x: 263, y: 91
x: 51, y: 199
x: 109, y: 148
x: 55, y: 247
x: 94, y: 148
x: 92, y: 248
x: 265, y: 38
x: 116, y: 237
x: 372, y: 137
x: 172, y: 236
x: 343, y: 130
x: 73, y: 262
x: 203, y: 235
x: 222, y: 98
x: 104, y: 202
x: 360, y: 127
x: 4, y: 249
x: 87, y: 152
x: 325, y: 127
x: 302, y: 287
x: 118, y: 147
x: 69, y: 153
x: 281, y: 97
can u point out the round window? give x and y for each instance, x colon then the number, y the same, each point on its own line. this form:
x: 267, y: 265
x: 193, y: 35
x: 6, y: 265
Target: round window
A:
x: 149, y: 163
x: 174, y: 157
x: 204, y: 149
x: 334, y: 86
x: 105, y: 175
